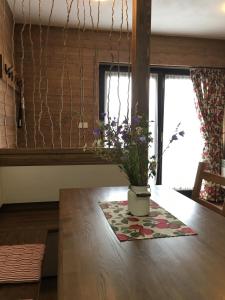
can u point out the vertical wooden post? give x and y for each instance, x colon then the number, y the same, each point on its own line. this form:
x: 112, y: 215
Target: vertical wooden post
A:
x: 141, y: 56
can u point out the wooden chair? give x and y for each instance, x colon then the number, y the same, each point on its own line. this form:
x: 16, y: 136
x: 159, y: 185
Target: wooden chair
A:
x: 201, y: 175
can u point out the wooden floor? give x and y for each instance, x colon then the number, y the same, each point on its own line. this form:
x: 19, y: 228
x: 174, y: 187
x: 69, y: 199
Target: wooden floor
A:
x: 33, y: 216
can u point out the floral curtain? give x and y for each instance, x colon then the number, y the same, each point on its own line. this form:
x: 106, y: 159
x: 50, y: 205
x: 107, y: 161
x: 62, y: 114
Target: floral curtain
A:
x: 209, y: 86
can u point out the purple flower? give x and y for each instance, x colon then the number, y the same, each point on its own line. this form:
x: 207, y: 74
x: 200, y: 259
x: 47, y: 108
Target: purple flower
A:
x: 96, y: 132
x: 142, y: 139
x: 103, y: 115
x: 113, y: 123
x: 125, y: 121
x: 135, y: 120
x: 125, y: 136
x: 174, y: 138
x: 119, y: 128
x: 181, y: 133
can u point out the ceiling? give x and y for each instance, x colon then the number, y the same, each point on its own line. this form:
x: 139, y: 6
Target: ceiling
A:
x: 197, y: 18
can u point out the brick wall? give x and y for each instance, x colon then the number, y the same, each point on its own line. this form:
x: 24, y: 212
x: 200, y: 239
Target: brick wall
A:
x: 88, y: 51
x: 7, y: 101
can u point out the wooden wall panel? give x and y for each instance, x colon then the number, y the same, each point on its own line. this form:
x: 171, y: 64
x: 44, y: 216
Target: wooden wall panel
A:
x: 7, y: 101
x: 167, y: 51
x: 178, y: 51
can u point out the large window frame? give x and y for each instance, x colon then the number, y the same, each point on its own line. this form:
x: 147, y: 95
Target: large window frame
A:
x: 161, y: 73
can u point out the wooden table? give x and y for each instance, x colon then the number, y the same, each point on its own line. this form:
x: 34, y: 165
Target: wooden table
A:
x: 94, y: 265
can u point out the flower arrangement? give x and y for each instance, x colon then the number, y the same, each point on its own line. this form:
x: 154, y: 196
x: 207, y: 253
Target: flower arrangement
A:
x: 127, y: 144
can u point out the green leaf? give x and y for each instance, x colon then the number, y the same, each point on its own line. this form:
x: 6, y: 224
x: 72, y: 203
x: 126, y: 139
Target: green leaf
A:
x: 114, y: 228
x: 177, y: 222
x: 124, y: 221
x: 148, y: 224
x: 146, y: 220
x: 135, y: 234
x: 159, y: 235
x: 179, y: 233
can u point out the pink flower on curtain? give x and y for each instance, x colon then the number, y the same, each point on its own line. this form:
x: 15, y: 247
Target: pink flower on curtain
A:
x: 209, y: 86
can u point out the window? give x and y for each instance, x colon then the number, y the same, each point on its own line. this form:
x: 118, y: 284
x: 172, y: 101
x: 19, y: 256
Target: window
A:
x: 117, y: 95
x: 171, y: 101
x: 180, y: 162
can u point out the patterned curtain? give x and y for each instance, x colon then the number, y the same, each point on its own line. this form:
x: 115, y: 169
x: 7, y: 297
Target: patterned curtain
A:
x: 209, y: 86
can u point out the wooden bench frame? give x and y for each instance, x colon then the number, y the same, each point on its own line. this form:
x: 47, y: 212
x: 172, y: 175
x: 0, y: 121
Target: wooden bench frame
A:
x: 201, y: 175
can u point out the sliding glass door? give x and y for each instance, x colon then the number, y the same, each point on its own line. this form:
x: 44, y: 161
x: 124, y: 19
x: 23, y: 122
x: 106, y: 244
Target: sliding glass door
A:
x: 171, y: 101
x: 179, y: 163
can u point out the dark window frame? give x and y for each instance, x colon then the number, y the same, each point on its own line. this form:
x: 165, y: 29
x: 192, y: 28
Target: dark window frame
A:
x: 161, y: 73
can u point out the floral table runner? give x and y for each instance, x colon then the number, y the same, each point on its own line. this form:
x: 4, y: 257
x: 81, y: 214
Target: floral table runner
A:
x: 159, y: 224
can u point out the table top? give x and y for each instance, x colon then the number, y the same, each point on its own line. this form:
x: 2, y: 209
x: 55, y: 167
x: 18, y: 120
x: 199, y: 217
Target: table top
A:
x: 94, y: 265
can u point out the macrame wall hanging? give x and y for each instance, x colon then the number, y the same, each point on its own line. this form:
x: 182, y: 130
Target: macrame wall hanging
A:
x: 56, y: 70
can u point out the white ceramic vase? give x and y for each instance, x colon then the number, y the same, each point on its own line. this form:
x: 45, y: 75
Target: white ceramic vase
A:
x: 138, y: 200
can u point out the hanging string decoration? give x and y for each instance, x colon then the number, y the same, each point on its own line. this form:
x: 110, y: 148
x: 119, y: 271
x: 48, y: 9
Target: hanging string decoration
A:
x: 46, y: 75
x: 63, y: 106
x: 95, y: 61
x: 22, y: 75
x: 118, y: 60
x: 82, y: 109
x: 34, y: 78
x: 65, y: 37
x: 71, y: 108
x: 41, y: 99
x: 5, y: 92
x: 112, y: 60
x: 13, y: 68
x: 129, y: 60
x: 80, y: 71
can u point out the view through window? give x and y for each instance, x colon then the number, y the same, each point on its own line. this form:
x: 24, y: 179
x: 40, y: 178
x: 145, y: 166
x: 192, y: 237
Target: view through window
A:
x: 179, y: 162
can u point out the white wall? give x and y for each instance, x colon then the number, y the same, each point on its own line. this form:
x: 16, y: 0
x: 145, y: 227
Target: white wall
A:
x: 42, y: 183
